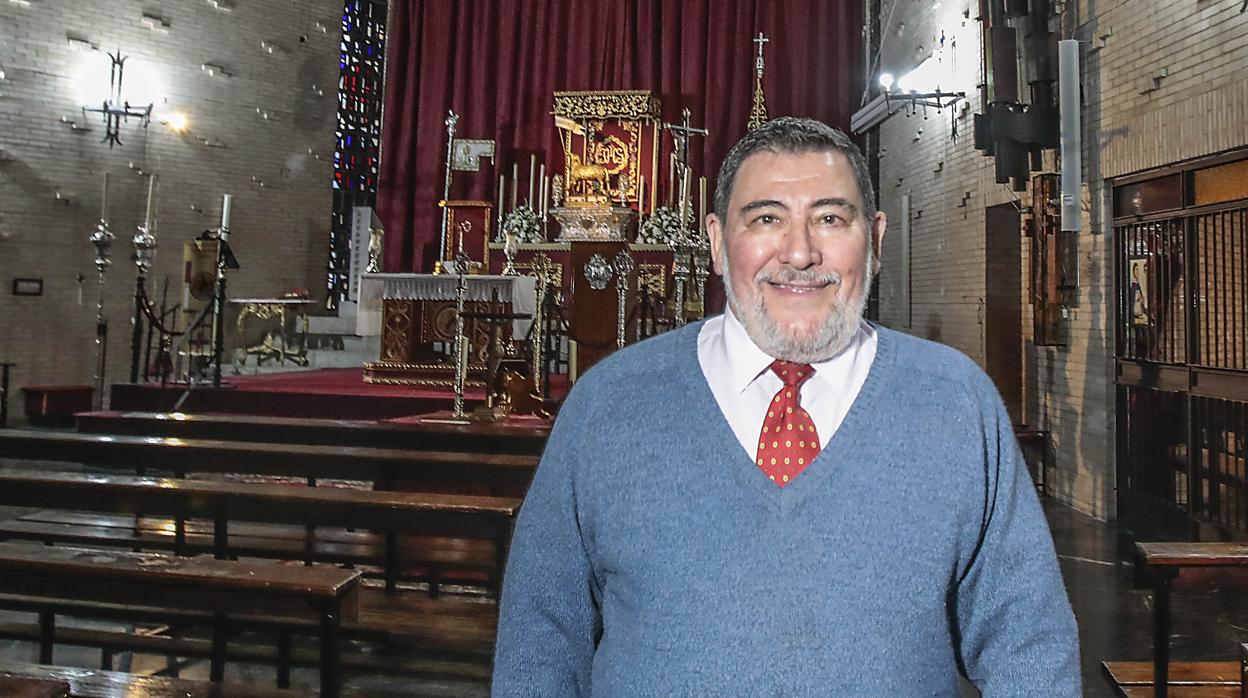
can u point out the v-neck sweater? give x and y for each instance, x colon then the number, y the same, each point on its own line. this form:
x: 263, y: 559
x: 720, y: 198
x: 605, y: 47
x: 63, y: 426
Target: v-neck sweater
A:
x: 653, y: 557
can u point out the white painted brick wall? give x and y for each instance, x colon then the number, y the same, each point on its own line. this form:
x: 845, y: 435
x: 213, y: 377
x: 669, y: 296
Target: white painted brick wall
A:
x: 280, y: 231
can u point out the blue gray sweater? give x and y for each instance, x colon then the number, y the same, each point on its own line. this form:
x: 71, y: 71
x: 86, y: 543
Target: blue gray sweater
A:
x: 653, y: 558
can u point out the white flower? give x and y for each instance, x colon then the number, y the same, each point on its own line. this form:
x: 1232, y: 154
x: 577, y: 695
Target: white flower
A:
x: 660, y: 227
x: 521, y: 222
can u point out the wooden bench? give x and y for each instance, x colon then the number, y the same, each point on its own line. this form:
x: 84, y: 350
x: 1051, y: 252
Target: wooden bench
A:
x: 391, y: 513
x: 89, y: 683
x: 56, y: 404
x: 425, y: 436
x: 226, y: 589
x: 450, y: 639
x: 1164, y: 567
x: 30, y: 687
x: 486, y: 473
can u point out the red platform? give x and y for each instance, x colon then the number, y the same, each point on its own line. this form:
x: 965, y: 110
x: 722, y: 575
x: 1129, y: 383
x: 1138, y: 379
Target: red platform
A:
x: 331, y: 393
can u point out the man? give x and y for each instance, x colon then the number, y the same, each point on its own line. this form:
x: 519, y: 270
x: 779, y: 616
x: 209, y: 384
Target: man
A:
x: 785, y: 500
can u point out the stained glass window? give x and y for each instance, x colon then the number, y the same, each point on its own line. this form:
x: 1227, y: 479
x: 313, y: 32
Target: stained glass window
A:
x: 357, y: 138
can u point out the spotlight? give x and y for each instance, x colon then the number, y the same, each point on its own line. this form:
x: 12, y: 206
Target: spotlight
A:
x: 176, y: 121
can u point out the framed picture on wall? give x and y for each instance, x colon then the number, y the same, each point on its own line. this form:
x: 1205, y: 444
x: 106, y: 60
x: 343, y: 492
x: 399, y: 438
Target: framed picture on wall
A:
x: 1137, y: 288
x: 28, y: 287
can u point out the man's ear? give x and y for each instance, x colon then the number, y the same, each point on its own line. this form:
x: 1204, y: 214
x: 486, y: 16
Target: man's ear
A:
x: 715, y: 232
x: 877, y: 237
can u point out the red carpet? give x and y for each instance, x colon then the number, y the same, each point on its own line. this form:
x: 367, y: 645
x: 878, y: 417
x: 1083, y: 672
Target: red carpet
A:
x: 337, y: 381
x: 330, y: 393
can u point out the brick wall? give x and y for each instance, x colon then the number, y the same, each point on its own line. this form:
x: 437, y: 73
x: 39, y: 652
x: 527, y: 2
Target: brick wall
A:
x: 52, y: 160
x: 1162, y: 82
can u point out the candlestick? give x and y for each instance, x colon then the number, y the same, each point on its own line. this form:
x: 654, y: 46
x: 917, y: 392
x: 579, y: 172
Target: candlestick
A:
x: 104, y: 201
x: 151, y: 200
x: 541, y: 188
x: 515, y: 183
x: 502, y: 187
x: 532, y: 169
x: 545, y: 195
x: 702, y: 204
x: 641, y: 196
x: 226, y: 199
x: 671, y: 185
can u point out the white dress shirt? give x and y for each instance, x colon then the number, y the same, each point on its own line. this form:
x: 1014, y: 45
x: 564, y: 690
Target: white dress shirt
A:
x: 739, y: 376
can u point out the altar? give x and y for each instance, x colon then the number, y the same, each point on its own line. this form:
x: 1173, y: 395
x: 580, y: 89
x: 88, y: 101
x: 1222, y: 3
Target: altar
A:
x: 415, y: 315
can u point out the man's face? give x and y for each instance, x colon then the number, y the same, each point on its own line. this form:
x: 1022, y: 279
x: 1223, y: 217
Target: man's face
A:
x: 801, y: 252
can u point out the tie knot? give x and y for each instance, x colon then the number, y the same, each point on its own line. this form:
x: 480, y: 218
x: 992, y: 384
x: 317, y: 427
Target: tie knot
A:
x: 792, y: 374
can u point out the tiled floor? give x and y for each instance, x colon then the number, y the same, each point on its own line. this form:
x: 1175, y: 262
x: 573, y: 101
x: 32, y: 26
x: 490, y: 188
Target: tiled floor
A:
x: 1115, y: 620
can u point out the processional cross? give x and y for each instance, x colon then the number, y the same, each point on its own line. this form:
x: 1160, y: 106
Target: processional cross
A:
x: 690, y: 254
x: 758, y: 61
x: 758, y: 112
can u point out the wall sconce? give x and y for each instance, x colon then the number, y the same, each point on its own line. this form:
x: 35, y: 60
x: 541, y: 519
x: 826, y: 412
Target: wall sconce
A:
x: 176, y: 121
x: 115, y: 107
x: 918, y: 89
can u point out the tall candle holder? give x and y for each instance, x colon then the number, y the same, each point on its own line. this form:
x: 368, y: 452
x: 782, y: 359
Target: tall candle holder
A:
x: 461, y: 342
x: 623, y: 265
x: 144, y: 242
x: 102, y: 239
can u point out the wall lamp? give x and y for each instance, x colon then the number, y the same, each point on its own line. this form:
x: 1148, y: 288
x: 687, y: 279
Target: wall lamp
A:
x: 917, y: 89
x: 115, y: 107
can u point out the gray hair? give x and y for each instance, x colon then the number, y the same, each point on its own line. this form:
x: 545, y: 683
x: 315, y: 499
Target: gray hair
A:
x: 793, y: 135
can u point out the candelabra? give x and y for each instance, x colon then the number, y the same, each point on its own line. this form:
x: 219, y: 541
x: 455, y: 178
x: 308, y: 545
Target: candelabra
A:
x: 461, y: 343
x: 623, y: 265
x: 102, y: 239
x: 144, y: 242
x: 543, y: 269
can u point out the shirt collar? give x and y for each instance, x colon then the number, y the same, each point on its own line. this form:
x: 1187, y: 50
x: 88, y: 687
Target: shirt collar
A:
x: 746, y: 362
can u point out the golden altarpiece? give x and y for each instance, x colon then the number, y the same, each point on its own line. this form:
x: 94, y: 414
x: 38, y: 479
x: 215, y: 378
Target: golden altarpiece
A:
x: 587, y: 214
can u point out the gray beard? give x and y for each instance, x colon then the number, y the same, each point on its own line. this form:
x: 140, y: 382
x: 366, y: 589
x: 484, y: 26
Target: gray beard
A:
x: 831, y: 339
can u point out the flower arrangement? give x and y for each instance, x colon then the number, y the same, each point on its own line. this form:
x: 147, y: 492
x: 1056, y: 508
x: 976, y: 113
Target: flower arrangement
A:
x: 661, y: 227
x: 523, y: 224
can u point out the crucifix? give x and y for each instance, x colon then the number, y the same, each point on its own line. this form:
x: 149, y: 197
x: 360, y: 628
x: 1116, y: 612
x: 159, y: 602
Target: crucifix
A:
x: 758, y: 61
x: 680, y: 159
x: 689, y: 252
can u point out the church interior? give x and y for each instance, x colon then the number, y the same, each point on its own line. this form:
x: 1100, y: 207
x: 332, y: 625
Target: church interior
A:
x: 291, y: 294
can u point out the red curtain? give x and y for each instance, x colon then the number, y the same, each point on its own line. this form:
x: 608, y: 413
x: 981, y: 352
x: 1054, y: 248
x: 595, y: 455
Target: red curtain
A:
x: 497, y: 63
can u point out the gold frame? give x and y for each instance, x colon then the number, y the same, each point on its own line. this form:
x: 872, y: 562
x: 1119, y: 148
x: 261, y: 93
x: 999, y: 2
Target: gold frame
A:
x: 449, y: 241
x: 654, y: 276
x: 632, y: 109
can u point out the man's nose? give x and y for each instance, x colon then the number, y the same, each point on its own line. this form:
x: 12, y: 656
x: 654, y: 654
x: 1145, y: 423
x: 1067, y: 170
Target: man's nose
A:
x: 798, y: 248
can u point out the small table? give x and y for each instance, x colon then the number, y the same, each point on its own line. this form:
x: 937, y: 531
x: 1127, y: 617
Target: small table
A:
x: 281, y: 349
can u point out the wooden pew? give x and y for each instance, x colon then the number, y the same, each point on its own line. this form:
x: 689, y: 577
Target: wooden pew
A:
x: 489, y: 473
x: 31, y: 687
x: 1164, y: 567
x: 474, y: 438
x: 89, y: 683
x: 450, y: 639
x: 392, y: 513
x: 226, y: 589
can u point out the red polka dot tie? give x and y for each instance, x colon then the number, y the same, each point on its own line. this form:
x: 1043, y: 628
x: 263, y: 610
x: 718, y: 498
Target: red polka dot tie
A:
x: 788, y: 442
